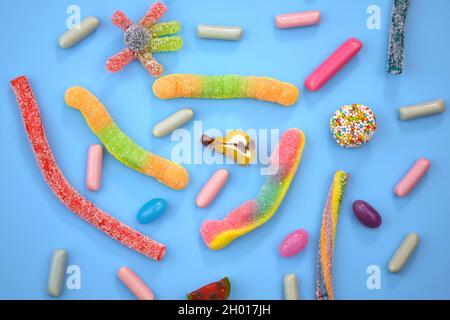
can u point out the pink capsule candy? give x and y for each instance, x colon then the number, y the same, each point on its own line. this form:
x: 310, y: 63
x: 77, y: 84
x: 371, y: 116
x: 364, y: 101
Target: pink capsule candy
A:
x: 294, y: 243
x: 333, y: 64
x: 135, y: 284
x: 412, y: 178
x: 297, y: 19
x: 212, y: 188
x: 94, y: 167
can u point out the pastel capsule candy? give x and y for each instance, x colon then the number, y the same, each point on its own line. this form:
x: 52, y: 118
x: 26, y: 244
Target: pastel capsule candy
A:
x: 132, y: 281
x: 404, y: 252
x: 57, y: 272
x: 293, y: 243
x: 212, y: 188
x: 297, y: 19
x: 94, y: 167
x: 412, y: 178
x: 366, y: 214
x: 219, y: 32
x: 422, y: 109
x: 290, y: 287
x: 152, y: 210
x: 174, y: 121
x: 78, y: 33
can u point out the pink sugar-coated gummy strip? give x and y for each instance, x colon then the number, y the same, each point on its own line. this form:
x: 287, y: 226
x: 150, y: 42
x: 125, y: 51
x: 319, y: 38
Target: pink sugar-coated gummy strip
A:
x: 412, y: 178
x: 333, y: 64
x: 212, y: 188
x: 297, y: 19
x: 94, y: 167
x: 135, y: 284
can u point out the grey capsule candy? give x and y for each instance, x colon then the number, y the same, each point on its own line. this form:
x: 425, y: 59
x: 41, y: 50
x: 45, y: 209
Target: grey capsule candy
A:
x: 78, y: 33
x: 57, y: 271
x: 219, y: 32
x: 174, y: 121
x: 403, y: 253
x: 290, y: 285
x: 421, y: 110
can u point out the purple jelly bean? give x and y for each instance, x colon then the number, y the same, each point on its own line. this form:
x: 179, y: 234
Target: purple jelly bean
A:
x: 293, y: 243
x: 366, y: 214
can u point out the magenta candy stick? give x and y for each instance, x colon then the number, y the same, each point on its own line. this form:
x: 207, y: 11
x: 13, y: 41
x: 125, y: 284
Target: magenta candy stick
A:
x: 333, y: 64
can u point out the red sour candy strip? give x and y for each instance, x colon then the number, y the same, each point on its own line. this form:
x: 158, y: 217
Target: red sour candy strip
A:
x: 120, y: 20
x: 120, y: 60
x: 63, y: 190
x: 155, y: 13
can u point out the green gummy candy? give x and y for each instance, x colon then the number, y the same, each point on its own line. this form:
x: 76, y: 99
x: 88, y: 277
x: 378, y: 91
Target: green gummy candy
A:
x: 229, y: 86
x: 165, y: 28
x: 166, y: 44
x: 122, y: 147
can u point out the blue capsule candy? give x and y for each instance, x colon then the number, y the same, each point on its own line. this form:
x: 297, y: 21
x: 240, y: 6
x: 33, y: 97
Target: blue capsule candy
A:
x: 152, y: 210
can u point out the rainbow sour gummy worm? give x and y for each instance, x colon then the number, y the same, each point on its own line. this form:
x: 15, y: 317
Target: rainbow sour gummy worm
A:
x: 324, y: 273
x: 145, y: 38
x: 397, y: 36
x: 225, y: 87
x: 217, y: 234
x: 120, y: 145
x: 63, y: 190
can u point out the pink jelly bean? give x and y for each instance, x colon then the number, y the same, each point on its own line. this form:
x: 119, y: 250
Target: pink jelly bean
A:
x: 94, y: 167
x: 333, y: 64
x: 135, y: 284
x: 212, y: 188
x: 297, y: 19
x: 293, y: 243
x: 412, y: 178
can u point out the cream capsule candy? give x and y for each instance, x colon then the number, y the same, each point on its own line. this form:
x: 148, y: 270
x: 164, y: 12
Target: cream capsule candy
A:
x: 403, y: 253
x: 422, y: 110
x: 290, y: 287
x: 78, y: 33
x: 57, y: 271
x: 219, y: 32
x: 174, y: 121
x: 212, y: 188
x: 412, y: 178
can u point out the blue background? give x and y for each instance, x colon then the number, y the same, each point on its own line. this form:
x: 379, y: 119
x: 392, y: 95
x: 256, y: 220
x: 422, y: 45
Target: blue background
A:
x: 33, y: 222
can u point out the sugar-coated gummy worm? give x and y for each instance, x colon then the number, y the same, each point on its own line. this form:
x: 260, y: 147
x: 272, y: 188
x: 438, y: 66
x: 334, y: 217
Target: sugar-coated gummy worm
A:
x: 132, y: 281
x: 120, y: 145
x: 217, y: 234
x: 397, y: 36
x: 57, y: 272
x: 225, y: 87
x: 333, y: 64
x: 63, y: 190
x: 324, y: 272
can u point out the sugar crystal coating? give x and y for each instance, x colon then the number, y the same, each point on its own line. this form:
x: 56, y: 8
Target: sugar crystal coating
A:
x: 63, y: 190
x: 397, y: 36
x: 122, y: 147
x: 324, y: 265
x: 284, y: 161
x: 136, y: 37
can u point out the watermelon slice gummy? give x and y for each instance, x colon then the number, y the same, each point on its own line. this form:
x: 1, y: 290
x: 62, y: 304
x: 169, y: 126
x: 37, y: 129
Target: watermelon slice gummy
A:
x: 219, y: 290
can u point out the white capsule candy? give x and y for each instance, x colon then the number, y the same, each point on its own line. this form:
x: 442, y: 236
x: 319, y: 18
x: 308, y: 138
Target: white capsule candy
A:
x: 78, y: 33
x: 57, y: 272
x: 174, y: 121
x: 290, y: 285
x: 421, y: 110
x: 219, y: 32
x: 403, y: 253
